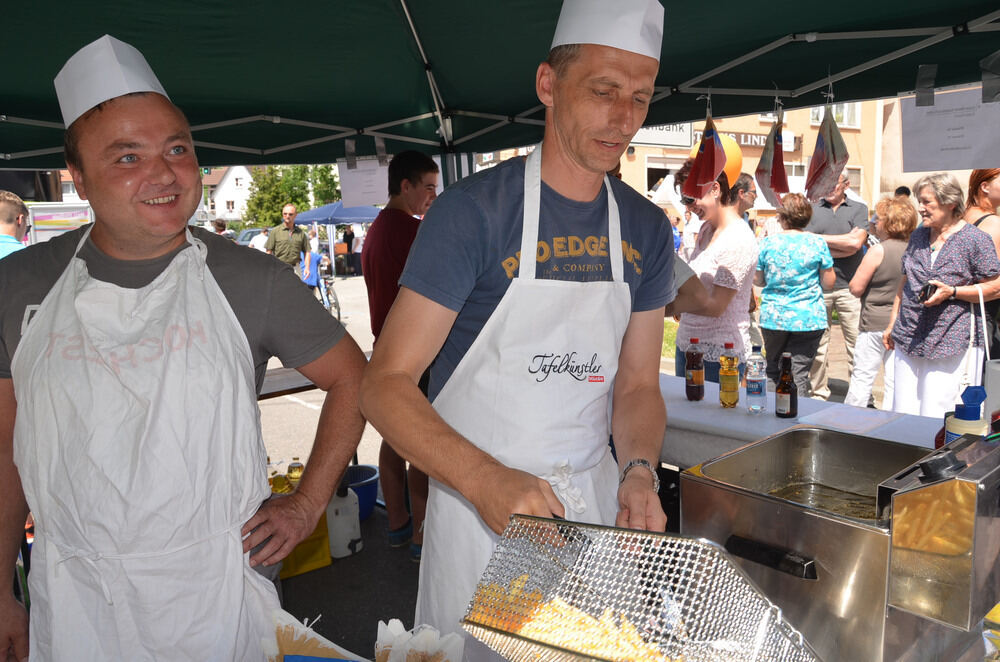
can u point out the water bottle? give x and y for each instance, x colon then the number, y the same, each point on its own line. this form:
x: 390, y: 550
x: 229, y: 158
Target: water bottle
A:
x: 756, y: 382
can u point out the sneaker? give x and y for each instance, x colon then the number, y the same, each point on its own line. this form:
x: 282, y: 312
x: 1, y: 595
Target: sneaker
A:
x: 401, y: 536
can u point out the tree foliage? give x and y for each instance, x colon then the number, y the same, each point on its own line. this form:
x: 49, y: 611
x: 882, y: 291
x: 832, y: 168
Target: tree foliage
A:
x: 273, y: 187
x: 325, y: 184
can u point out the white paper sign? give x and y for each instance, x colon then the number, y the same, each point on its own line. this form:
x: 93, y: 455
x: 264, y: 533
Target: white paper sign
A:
x: 368, y: 184
x: 959, y: 132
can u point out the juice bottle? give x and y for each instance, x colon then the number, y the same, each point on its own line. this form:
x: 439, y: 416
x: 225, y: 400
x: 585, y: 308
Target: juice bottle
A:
x: 729, y: 377
x: 694, y: 371
x: 786, y: 393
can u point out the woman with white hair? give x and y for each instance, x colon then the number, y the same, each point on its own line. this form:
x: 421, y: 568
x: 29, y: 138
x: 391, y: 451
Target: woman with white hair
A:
x: 946, y: 262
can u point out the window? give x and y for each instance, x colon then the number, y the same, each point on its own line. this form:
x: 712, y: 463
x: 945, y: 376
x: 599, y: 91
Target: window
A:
x: 68, y: 188
x: 239, y: 182
x: 846, y: 115
x: 230, y: 205
x: 854, y: 177
x: 795, y: 169
x: 211, y: 204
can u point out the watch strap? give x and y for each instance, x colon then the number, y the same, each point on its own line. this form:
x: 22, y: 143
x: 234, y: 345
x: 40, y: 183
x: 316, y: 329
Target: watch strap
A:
x: 640, y: 462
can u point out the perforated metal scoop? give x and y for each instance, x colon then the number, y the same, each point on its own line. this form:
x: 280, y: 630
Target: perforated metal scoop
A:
x: 557, y: 590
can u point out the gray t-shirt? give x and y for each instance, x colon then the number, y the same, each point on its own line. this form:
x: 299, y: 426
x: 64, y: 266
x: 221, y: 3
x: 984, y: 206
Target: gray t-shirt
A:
x: 849, y: 215
x: 465, y: 253
x: 279, y: 315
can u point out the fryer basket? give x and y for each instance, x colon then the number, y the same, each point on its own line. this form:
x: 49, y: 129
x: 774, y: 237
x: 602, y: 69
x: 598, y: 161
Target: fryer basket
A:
x: 623, y: 595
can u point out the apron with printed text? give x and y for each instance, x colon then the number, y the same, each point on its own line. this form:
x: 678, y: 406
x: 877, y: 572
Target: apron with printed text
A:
x: 137, y: 439
x: 534, y: 392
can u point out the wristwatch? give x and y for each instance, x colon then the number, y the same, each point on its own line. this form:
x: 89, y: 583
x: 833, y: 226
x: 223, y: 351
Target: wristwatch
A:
x: 954, y: 291
x: 639, y: 462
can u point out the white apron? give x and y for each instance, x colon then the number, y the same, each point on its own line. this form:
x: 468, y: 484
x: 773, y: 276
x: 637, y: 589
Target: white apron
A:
x: 533, y: 391
x: 138, y: 443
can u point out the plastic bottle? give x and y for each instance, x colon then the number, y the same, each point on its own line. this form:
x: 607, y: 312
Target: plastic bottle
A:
x: 786, y: 393
x: 968, y: 416
x: 694, y: 371
x: 756, y: 373
x: 295, y: 469
x: 729, y: 377
x: 343, y: 522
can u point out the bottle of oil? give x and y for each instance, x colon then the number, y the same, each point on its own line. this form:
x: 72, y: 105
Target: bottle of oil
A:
x: 694, y: 371
x: 786, y: 394
x: 729, y: 377
x: 295, y: 469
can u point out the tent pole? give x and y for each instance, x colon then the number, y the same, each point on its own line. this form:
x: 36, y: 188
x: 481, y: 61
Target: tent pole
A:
x: 435, y: 92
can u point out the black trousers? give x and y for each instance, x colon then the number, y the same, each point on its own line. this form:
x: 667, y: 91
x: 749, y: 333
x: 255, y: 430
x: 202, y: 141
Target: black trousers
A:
x: 801, y: 344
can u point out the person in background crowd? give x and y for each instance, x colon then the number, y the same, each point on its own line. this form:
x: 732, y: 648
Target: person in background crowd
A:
x: 513, y: 428
x: 875, y: 282
x: 746, y: 193
x: 929, y: 327
x: 689, y: 236
x: 357, y: 247
x: 13, y: 223
x: 903, y: 192
x: 981, y: 210
x: 129, y: 422
x: 843, y: 223
x: 793, y: 268
x: 312, y: 278
x: 724, y: 257
x: 221, y: 228
x: 288, y: 242
x: 313, y: 241
x: 413, y: 179
x: 259, y: 241
x: 349, y: 241
x: 675, y: 222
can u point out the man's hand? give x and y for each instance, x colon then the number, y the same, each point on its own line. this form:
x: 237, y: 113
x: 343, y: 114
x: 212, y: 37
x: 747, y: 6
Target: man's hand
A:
x: 638, y: 505
x: 503, y: 491
x: 13, y: 629
x: 286, y: 520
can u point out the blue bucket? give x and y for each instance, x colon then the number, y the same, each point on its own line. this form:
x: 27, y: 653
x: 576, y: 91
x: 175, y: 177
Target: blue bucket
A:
x: 363, y: 479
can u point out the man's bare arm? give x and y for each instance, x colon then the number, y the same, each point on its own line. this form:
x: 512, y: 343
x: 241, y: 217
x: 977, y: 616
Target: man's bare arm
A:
x: 846, y: 245
x: 13, y: 513
x: 288, y: 520
x: 414, y: 332
x: 639, y: 419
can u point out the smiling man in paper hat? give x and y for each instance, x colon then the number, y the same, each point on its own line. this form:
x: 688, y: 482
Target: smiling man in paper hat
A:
x: 132, y: 365
x: 548, y: 311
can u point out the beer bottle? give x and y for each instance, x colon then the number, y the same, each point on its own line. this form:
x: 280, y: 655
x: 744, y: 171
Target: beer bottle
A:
x: 786, y: 394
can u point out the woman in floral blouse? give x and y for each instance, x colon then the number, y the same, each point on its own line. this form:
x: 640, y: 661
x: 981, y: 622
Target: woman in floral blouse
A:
x: 794, y: 267
x: 931, y: 337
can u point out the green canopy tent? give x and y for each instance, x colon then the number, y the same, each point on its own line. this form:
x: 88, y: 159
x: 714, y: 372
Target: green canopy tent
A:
x: 266, y: 82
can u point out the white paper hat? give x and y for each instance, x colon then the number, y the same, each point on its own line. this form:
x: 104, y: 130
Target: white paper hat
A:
x: 102, y: 70
x: 631, y: 25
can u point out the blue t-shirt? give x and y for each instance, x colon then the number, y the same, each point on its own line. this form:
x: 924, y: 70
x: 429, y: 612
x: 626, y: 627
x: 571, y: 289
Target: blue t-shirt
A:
x: 8, y: 245
x: 792, y: 298
x: 466, y: 251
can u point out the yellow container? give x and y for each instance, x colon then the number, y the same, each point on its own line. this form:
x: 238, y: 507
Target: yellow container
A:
x: 310, y: 554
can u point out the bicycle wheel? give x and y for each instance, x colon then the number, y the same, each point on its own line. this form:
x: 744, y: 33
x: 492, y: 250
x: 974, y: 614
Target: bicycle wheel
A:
x: 331, y: 295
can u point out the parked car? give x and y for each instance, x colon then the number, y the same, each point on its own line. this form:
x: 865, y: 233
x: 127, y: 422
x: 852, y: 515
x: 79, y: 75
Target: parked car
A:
x: 246, y: 235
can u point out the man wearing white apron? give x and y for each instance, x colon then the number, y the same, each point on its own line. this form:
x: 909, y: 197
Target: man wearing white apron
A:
x: 539, y: 287
x: 128, y: 415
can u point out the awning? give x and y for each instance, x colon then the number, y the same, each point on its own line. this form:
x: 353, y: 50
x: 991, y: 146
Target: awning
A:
x: 266, y: 82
